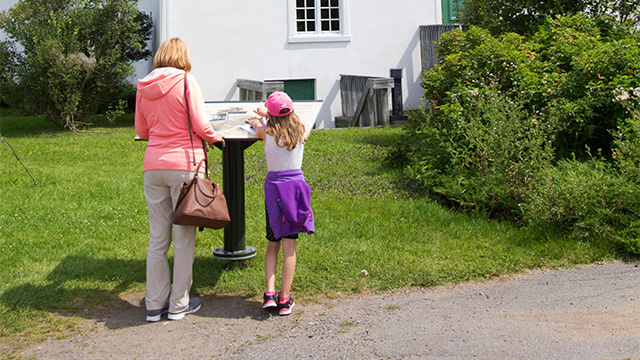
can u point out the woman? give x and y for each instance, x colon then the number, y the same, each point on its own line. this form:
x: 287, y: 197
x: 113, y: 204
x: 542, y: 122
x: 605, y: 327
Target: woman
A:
x: 169, y: 160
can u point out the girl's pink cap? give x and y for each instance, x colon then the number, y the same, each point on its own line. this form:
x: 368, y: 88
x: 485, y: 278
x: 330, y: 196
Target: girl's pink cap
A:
x: 279, y: 104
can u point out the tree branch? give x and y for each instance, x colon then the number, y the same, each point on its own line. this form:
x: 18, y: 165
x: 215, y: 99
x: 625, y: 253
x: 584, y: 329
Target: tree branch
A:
x: 16, y: 155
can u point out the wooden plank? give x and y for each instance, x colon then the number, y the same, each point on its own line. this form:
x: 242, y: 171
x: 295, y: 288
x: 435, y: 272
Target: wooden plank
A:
x: 260, y: 86
x: 271, y: 86
x: 381, y: 99
x: 382, y: 83
x: 249, y: 84
x: 363, y: 99
x: 365, y: 93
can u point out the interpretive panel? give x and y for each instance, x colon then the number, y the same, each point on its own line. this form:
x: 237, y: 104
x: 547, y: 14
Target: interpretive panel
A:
x: 228, y: 118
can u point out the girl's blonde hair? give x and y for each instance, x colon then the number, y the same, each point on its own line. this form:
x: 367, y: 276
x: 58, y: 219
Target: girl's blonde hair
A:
x: 173, y: 53
x: 287, y: 131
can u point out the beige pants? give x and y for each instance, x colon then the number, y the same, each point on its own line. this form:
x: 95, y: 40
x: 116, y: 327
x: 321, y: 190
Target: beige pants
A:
x: 161, y: 189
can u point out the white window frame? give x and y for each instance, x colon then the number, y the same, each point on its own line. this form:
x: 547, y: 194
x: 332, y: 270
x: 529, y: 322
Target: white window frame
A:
x: 319, y: 36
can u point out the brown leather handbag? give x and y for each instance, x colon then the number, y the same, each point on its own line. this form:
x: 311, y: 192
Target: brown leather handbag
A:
x: 201, y: 202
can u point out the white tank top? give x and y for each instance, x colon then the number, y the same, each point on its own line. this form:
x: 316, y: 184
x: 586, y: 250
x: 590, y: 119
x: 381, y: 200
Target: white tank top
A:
x: 279, y: 158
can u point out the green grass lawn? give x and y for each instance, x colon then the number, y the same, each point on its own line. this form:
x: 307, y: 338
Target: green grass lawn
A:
x: 76, y: 241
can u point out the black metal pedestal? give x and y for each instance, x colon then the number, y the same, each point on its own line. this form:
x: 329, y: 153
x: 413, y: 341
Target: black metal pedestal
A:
x: 233, y: 187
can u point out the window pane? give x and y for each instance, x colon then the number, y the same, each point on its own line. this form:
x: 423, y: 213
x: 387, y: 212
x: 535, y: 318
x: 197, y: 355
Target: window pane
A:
x: 315, y: 16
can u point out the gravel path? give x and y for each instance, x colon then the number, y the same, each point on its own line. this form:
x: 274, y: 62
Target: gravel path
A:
x: 589, y: 312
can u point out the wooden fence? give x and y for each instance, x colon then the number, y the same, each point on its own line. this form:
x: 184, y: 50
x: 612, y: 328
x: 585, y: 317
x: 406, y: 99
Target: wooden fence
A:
x: 429, y: 35
x: 251, y: 90
x: 365, y: 101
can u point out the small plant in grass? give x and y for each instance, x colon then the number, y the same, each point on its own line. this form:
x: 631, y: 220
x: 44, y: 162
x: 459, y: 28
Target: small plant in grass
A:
x: 263, y: 338
x: 114, y: 111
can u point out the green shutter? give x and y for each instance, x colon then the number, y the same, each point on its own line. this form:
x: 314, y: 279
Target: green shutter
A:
x: 301, y: 89
x: 450, y: 11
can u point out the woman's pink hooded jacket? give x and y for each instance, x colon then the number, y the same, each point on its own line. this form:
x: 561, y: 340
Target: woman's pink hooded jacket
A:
x: 161, y: 117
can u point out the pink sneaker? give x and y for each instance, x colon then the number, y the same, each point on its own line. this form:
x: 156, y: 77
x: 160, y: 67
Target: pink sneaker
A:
x: 270, y: 301
x: 285, y: 309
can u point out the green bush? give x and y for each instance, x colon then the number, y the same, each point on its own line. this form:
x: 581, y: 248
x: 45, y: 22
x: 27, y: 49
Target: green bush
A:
x: 590, y: 199
x: 481, y: 150
x: 75, y: 57
x: 564, y: 74
x: 502, y: 111
x: 583, y: 68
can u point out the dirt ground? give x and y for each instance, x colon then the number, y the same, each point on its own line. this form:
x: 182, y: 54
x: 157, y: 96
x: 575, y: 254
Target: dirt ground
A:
x: 589, y: 312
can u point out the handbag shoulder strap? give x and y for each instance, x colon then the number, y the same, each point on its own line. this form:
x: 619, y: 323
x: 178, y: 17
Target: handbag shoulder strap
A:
x: 204, y: 146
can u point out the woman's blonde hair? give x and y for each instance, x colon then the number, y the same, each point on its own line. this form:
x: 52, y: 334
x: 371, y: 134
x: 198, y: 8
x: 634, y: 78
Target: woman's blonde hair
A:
x: 287, y: 131
x: 173, y: 53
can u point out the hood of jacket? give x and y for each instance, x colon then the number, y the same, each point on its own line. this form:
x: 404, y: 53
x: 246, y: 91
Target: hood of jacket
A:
x: 159, y: 82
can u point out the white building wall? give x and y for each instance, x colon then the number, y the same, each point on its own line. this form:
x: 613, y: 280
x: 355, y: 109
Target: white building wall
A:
x: 151, y: 7
x: 249, y: 40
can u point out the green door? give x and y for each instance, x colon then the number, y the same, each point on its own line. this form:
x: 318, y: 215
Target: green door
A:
x: 300, y: 89
x: 450, y: 11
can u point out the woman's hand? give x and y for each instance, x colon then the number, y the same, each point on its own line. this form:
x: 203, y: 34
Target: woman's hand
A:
x: 218, y: 139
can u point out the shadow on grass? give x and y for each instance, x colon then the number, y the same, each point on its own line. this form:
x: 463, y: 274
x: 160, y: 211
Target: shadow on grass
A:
x: 99, y: 289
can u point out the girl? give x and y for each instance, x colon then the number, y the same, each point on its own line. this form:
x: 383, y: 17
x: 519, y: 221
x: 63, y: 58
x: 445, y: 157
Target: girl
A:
x: 287, y: 195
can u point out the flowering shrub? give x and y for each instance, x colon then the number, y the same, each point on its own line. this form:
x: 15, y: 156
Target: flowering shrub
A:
x: 566, y: 72
x: 509, y: 125
x: 626, y: 149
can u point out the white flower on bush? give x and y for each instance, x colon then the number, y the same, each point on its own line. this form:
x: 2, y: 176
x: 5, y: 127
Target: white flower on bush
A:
x: 620, y: 95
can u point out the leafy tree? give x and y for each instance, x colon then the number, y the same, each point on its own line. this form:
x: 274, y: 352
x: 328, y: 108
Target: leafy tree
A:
x: 524, y: 16
x: 76, y: 55
x: 8, y: 62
